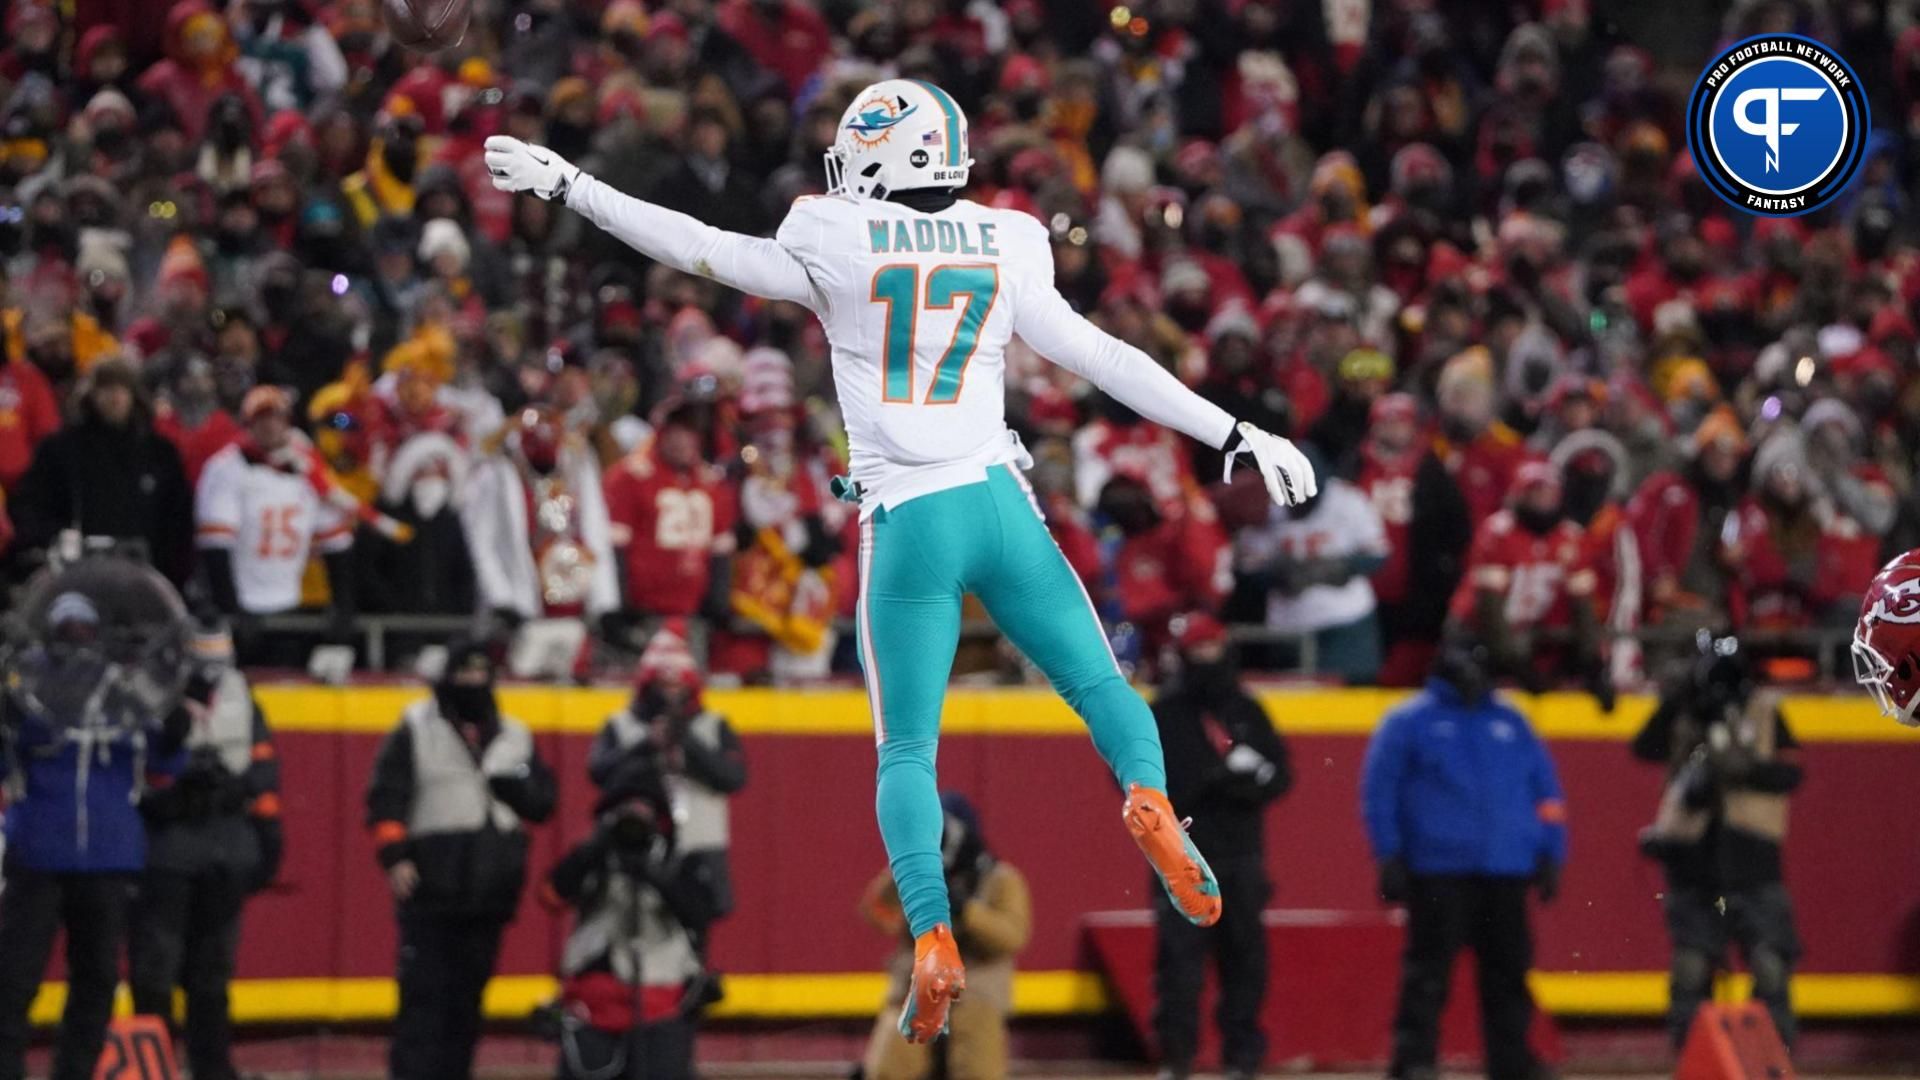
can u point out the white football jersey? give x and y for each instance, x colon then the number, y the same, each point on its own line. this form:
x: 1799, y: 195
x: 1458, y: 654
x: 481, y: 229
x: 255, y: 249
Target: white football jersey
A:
x: 1342, y: 524
x: 272, y: 521
x: 918, y: 308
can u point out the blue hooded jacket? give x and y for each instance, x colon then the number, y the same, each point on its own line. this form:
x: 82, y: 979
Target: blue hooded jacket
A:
x: 76, y: 808
x: 1458, y: 787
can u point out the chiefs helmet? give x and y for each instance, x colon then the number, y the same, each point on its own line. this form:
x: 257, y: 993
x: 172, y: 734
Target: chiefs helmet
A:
x: 1886, y: 641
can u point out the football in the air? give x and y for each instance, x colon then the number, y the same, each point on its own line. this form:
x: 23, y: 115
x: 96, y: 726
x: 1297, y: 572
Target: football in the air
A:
x: 427, y: 25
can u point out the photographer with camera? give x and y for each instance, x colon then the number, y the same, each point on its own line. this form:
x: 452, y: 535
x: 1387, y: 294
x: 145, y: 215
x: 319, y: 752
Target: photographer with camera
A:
x: 451, y: 787
x: 631, y: 974
x: 213, y: 839
x: 1731, y: 764
x: 666, y: 729
x: 993, y: 919
x: 81, y: 748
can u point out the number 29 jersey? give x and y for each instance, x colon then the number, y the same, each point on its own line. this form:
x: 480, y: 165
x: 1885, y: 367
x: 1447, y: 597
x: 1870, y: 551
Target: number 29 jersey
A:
x: 918, y: 308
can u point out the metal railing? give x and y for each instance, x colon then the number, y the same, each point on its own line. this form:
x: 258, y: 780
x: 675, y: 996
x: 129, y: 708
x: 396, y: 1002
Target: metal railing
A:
x: 375, y: 636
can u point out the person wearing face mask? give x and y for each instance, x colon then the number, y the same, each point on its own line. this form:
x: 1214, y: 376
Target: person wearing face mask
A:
x: 632, y: 978
x: 77, y: 752
x: 1594, y: 466
x: 1337, y: 195
x: 1157, y: 560
x: 1312, y: 562
x: 384, y: 186
x: 1228, y: 765
x: 226, y: 157
x: 1527, y: 572
x: 453, y: 786
x: 1414, y: 495
x: 1465, y: 816
x: 213, y: 839
x: 994, y: 919
x: 404, y: 452
x: 668, y: 730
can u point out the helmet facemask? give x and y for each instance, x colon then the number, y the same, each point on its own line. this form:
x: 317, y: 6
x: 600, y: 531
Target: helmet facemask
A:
x: 1878, y: 674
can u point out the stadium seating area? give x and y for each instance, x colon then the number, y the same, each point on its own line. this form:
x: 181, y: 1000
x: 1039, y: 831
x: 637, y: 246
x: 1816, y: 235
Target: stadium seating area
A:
x: 1303, y: 209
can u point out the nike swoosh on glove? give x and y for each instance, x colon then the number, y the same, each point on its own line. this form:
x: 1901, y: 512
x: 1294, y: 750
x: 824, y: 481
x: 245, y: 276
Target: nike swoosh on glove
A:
x: 516, y: 166
x: 1286, y: 471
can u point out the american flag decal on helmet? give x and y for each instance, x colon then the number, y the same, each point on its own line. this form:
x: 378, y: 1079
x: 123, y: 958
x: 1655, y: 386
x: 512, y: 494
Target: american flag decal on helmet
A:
x: 931, y: 137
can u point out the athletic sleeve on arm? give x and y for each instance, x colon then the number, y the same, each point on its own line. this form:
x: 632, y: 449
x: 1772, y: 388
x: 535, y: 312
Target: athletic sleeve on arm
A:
x: 752, y: 264
x: 1045, y: 321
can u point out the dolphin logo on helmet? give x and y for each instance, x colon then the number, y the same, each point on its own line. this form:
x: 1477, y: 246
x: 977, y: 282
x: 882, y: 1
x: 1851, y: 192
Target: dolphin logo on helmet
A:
x: 898, y: 135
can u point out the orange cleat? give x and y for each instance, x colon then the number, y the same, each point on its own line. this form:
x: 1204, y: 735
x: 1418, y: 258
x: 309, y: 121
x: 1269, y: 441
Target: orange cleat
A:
x: 938, y: 978
x: 1163, y: 840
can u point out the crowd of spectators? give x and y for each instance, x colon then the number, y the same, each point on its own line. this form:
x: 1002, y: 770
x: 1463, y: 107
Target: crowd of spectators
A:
x: 1457, y: 246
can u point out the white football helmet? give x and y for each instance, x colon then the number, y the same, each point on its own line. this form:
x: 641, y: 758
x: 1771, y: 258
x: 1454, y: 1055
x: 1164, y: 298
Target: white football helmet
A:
x: 899, y: 135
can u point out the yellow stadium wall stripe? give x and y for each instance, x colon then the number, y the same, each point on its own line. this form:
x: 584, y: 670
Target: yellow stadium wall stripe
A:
x: 842, y: 711
x: 853, y: 995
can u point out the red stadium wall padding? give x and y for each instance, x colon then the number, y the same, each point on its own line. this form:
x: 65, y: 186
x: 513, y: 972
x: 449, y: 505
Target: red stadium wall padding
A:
x: 1310, y: 1018
x: 805, y: 841
x: 805, y: 844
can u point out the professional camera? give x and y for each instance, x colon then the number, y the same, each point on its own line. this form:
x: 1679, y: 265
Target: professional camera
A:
x: 98, y: 643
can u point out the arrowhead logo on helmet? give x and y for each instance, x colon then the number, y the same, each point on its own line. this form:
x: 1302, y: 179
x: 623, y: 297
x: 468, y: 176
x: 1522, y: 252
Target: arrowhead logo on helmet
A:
x: 1886, y: 641
x: 1901, y: 605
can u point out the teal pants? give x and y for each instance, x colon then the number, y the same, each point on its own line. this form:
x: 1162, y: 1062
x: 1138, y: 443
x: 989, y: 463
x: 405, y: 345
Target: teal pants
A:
x: 916, y: 562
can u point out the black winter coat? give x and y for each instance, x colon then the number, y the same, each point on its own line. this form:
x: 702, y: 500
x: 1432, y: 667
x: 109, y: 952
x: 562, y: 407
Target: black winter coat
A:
x: 1228, y: 808
x: 124, y: 482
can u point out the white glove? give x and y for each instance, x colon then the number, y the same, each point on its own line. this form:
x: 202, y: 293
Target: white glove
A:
x: 517, y: 166
x: 1289, y: 477
x: 1246, y: 761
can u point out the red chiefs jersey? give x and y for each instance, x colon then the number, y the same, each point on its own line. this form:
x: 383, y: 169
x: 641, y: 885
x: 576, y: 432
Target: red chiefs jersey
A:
x: 668, y: 520
x: 1611, y: 550
x: 1665, y: 513
x: 28, y: 413
x: 1175, y: 566
x: 1387, y: 482
x: 1155, y: 455
x: 197, y: 445
x: 1538, y: 574
x: 1484, y: 467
